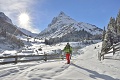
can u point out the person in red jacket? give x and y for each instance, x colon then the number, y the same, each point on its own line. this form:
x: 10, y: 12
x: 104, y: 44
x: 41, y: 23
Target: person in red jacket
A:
x: 68, y: 50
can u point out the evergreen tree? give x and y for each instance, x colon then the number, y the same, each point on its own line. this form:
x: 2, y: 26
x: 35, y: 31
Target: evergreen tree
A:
x: 112, y: 34
x: 103, y: 36
x: 104, y: 46
x: 118, y: 23
x: 111, y: 24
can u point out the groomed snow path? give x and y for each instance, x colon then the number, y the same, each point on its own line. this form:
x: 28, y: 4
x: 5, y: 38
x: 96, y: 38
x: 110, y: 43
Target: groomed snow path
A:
x: 84, y: 66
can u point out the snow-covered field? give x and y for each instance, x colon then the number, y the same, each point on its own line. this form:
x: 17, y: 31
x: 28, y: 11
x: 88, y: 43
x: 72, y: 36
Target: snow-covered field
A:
x: 84, y: 66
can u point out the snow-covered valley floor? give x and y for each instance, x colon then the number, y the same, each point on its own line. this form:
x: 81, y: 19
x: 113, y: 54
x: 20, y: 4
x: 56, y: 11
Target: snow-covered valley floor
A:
x: 84, y: 66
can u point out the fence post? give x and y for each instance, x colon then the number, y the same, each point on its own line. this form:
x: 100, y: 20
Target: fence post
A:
x: 99, y: 56
x: 16, y: 59
x: 103, y: 56
x: 45, y: 56
x: 62, y: 57
x: 113, y: 50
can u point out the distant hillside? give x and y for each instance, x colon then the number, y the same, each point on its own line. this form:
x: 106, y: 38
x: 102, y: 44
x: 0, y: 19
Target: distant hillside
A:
x: 28, y: 32
x: 8, y: 33
x: 6, y: 24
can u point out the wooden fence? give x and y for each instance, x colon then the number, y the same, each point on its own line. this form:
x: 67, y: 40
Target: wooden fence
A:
x: 114, y: 48
x: 28, y: 58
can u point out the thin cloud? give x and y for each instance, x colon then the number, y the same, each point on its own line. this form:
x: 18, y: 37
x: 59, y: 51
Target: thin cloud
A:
x: 12, y: 8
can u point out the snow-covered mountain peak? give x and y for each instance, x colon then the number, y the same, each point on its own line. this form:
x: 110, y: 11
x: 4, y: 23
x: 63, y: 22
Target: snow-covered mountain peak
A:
x: 5, y: 18
x: 62, y: 16
x: 1, y: 14
x: 64, y: 24
x: 62, y: 13
x: 63, y: 19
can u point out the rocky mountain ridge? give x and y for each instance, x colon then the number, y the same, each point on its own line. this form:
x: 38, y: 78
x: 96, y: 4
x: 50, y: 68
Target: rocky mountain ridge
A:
x: 63, y: 25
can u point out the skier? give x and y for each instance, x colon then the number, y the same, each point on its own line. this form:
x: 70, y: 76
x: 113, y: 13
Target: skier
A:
x: 68, y: 50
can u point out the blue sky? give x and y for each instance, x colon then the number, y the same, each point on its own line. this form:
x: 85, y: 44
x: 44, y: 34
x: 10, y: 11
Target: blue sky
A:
x: 41, y: 12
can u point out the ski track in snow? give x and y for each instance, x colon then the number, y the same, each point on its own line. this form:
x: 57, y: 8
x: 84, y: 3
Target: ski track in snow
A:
x: 19, y: 72
x: 11, y: 72
x: 85, y: 66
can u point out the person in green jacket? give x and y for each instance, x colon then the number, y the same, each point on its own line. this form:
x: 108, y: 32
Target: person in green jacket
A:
x: 68, y: 50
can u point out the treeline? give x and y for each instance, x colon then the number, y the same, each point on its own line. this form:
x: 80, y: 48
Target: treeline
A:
x: 73, y: 37
x: 112, y: 34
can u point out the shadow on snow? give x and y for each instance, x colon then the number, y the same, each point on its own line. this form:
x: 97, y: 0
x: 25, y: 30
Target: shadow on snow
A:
x: 95, y: 74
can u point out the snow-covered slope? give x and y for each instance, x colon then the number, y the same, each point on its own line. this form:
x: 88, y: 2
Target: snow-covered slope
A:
x: 8, y: 33
x: 28, y: 32
x: 84, y: 66
x: 5, y: 18
x: 63, y: 24
x: 7, y: 25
